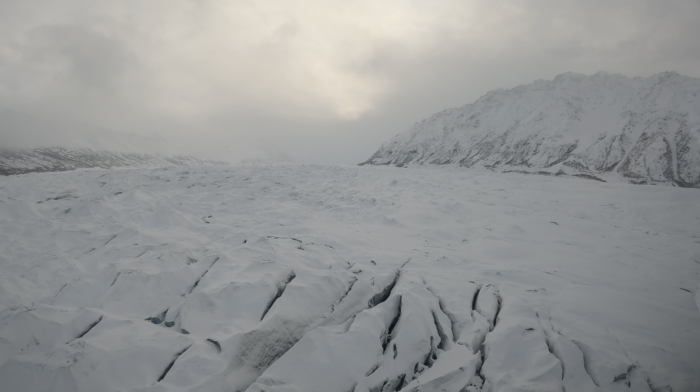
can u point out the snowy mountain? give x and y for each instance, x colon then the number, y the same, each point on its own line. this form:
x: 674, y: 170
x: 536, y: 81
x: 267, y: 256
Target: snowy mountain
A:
x: 642, y: 130
x: 50, y: 159
x: 309, y: 278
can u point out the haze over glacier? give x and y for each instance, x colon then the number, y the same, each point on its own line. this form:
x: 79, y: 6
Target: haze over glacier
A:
x: 641, y: 130
x: 37, y: 144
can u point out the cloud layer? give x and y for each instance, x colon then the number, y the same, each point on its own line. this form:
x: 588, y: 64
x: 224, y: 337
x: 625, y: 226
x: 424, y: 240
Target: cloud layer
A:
x: 325, y: 80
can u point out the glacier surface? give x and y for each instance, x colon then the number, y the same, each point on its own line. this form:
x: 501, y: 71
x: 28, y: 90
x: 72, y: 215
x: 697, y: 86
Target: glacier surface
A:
x: 330, y: 278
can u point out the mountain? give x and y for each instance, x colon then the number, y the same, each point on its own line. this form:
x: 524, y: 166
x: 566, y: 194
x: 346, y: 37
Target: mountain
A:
x: 642, y: 130
x: 37, y: 144
x: 51, y: 159
x: 22, y: 131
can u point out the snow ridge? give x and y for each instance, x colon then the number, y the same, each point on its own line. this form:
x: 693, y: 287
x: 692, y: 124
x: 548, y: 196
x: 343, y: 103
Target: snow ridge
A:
x: 638, y: 130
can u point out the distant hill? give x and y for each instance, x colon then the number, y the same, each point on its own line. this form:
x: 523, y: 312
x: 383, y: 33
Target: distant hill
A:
x: 21, y: 131
x: 36, y: 144
x: 641, y: 130
x: 49, y: 159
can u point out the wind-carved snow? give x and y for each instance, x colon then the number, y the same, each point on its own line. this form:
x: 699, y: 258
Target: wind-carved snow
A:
x: 602, y: 127
x: 357, y: 279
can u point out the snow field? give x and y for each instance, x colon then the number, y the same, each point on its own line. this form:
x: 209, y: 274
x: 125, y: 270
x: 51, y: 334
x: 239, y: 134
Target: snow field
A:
x: 323, y: 278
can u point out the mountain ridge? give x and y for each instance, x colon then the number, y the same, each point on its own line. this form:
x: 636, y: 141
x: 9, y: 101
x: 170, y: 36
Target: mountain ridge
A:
x: 30, y: 143
x: 639, y: 130
x: 52, y: 159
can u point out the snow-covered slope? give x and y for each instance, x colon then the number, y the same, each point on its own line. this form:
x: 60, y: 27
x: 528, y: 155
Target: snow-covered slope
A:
x: 317, y: 279
x: 49, y: 159
x: 646, y: 130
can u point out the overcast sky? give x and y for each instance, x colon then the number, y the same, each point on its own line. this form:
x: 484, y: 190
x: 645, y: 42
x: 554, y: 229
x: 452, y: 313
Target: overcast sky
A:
x: 325, y: 81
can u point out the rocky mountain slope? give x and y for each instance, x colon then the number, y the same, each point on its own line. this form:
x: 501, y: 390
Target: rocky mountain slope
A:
x: 48, y: 159
x: 642, y: 130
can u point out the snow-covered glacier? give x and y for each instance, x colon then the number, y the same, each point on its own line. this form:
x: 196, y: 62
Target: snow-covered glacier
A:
x: 351, y: 279
x: 639, y: 130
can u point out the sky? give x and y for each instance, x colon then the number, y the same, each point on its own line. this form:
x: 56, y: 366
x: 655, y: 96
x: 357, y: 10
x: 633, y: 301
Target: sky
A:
x: 318, y: 81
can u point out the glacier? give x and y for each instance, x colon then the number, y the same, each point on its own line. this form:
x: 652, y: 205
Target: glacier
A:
x: 344, y: 278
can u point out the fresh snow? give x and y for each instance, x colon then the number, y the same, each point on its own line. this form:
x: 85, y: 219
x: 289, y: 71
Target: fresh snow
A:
x: 322, y: 278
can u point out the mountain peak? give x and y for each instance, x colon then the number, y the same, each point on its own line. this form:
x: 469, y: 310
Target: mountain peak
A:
x: 640, y: 130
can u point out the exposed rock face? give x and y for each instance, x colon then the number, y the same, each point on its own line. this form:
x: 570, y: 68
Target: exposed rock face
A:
x: 49, y: 159
x: 646, y: 130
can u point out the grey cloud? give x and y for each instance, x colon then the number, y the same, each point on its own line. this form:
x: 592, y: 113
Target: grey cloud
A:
x: 92, y: 60
x: 327, y: 81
